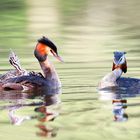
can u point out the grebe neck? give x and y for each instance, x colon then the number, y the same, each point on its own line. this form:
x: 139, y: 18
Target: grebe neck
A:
x: 50, y: 73
x: 117, y: 72
x: 47, y: 68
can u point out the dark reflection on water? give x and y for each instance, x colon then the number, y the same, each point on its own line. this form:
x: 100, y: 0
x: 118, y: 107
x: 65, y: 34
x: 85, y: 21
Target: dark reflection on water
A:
x: 119, y: 97
x: 15, y: 101
x: 87, y: 31
x: 119, y: 107
x: 127, y: 88
x: 44, y: 116
x: 119, y: 102
x: 45, y: 131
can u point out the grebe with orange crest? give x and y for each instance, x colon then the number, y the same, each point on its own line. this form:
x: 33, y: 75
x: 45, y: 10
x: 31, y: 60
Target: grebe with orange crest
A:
x: 20, y: 79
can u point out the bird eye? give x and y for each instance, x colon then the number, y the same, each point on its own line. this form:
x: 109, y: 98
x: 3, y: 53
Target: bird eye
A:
x: 51, y: 51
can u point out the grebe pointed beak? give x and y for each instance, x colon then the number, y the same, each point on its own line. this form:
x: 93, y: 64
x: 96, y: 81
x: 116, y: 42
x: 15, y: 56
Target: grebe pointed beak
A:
x: 59, y: 58
x: 56, y: 56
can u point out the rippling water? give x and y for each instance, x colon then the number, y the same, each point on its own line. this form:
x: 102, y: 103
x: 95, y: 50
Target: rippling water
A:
x: 86, y: 33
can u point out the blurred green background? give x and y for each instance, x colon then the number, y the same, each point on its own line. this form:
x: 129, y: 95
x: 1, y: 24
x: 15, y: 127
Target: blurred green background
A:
x: 86, y: 33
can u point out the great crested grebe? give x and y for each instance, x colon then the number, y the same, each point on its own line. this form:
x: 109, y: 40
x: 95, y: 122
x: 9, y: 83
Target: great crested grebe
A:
x: 23, y: 80
x: 119, y: 66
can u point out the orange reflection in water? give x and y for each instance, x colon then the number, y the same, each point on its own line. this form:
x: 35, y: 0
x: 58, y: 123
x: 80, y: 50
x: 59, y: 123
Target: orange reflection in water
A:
x: 45, y: 115
x: 119, y: 107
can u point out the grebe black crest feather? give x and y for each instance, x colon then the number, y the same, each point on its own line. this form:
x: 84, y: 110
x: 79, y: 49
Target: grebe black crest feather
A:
x: 49, y: 43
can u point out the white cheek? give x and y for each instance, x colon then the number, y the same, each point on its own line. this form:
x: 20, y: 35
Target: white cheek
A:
x: 123, y: 60
x: 115, y: 61
x: 50, y: 53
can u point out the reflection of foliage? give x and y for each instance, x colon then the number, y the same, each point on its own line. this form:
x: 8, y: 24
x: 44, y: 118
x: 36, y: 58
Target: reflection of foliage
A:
x: 6, y: 5
x: 70, y: 9
x: 12, y: 15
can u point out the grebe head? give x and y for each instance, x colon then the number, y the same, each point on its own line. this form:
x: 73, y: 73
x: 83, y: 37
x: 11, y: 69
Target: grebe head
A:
x: 119, y: 58
x: 119, y: 61
x: 46, y: 47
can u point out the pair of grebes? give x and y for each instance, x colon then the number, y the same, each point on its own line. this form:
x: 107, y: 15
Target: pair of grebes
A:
x: 20, y: 79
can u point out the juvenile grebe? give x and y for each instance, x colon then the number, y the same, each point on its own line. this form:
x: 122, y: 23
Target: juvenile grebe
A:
x: 119, y: 66
x: 21, y: 79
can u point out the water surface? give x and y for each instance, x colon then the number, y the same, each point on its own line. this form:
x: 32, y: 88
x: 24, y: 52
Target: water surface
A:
x: 86, y: 33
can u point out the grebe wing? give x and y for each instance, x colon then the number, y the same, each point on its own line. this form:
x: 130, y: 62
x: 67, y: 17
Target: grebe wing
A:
x: 34, y: 82
x: 130, y: 86
x: 34, y: 79
x: 128, y: 82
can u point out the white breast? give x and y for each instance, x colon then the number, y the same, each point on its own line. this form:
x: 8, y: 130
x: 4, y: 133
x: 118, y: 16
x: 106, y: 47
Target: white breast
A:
x: 109, y: 80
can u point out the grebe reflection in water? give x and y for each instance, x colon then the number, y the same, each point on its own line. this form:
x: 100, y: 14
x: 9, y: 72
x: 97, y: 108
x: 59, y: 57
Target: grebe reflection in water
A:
x: 44, y: 109
x: 119, y: 107
x: 118, y: 102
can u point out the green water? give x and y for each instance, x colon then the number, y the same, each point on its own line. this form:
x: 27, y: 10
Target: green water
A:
x: 86, y: 33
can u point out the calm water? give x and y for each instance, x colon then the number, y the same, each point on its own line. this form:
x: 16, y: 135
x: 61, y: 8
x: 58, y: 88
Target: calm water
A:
x: 86, y: 33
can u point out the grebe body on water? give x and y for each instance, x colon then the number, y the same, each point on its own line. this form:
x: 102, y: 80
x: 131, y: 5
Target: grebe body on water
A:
x: 119, y: 66
x: 114, y: 79
x: 19, y: 79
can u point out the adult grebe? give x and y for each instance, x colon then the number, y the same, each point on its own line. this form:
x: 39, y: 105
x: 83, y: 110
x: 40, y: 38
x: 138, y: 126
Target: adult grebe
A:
x: 119, y: 66
x: 21, y: 79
